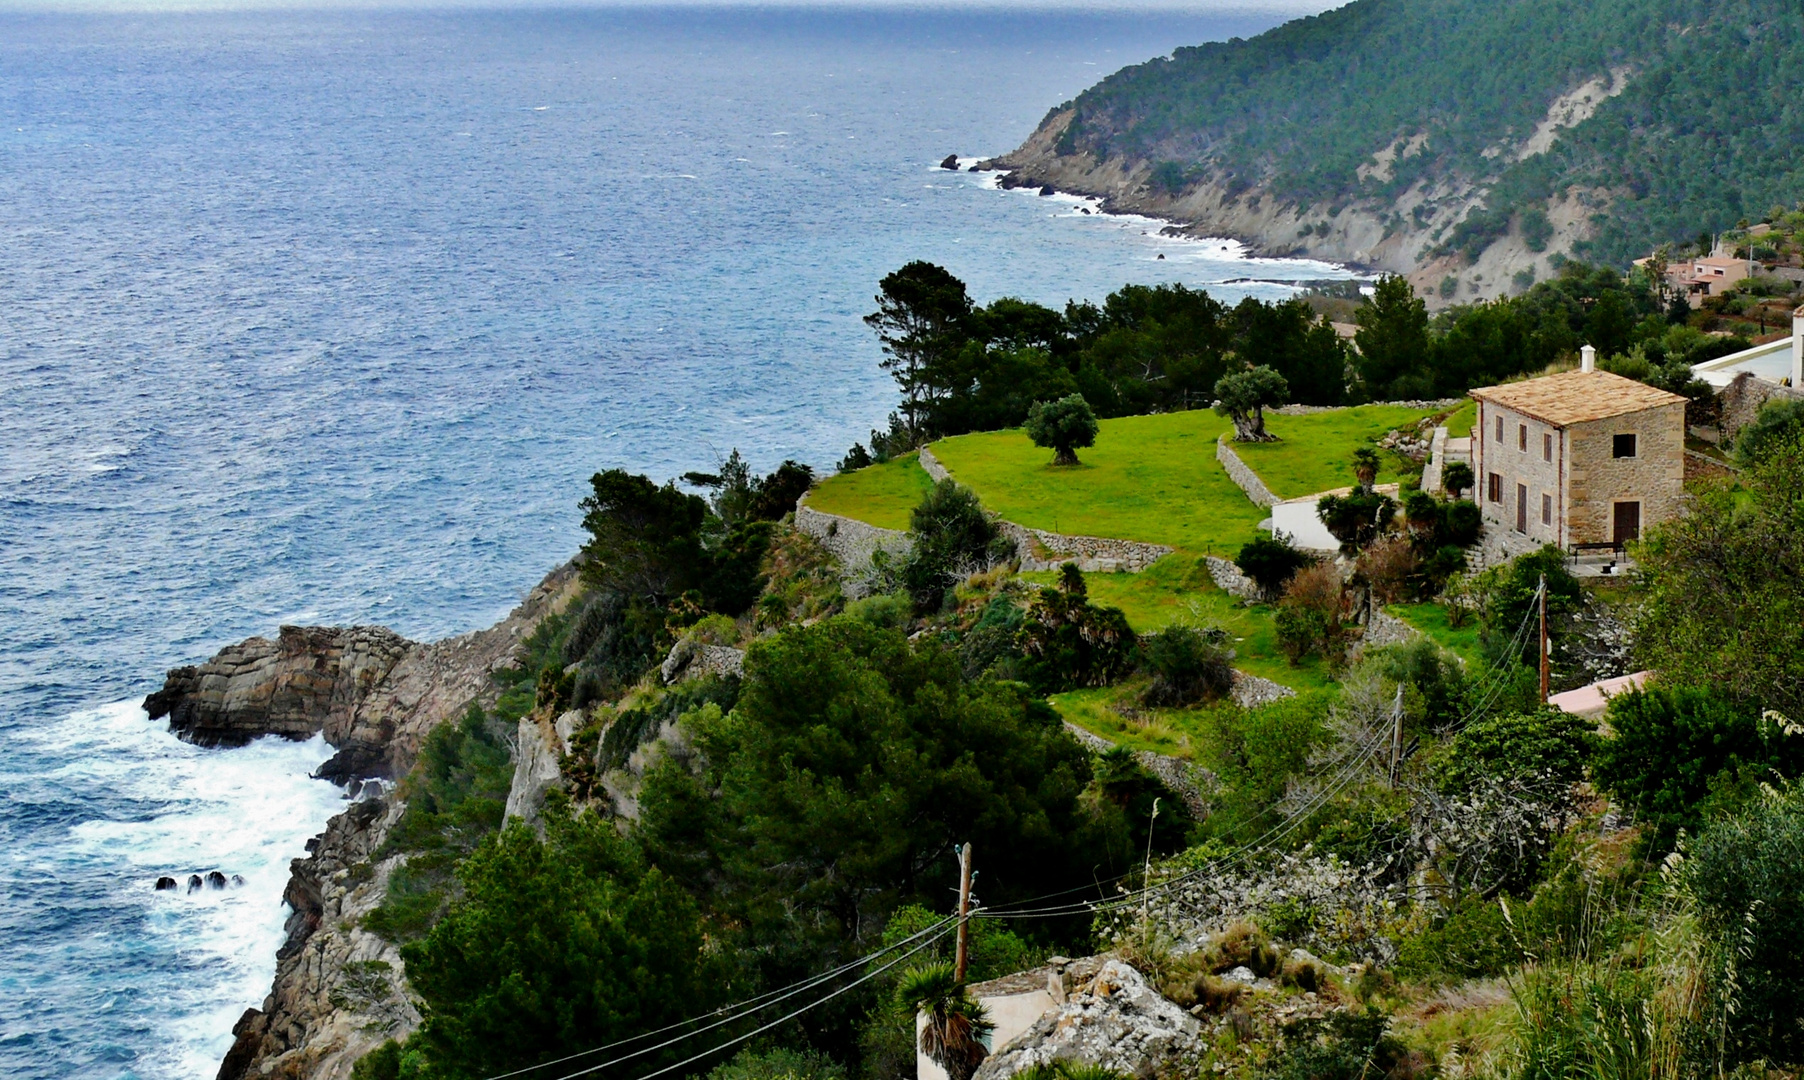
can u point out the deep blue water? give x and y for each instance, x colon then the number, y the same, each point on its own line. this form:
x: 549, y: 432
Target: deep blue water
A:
x: 326, y: 317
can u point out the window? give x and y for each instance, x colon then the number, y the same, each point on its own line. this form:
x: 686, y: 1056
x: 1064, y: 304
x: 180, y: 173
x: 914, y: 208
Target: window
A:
x: 1521, y: 508
x: 1500, y: 429
x: 1546, y: 509
x: 1547, y: 447
x: 1623, y: 446
x: 1494, y: 488
x: 1522, y: 437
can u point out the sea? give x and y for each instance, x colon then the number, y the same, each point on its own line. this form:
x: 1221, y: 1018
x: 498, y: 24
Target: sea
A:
x: 327, y: 316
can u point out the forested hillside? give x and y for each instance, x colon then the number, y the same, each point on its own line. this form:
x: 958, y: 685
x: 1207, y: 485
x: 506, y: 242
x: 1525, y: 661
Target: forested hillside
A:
x: 1475, y: 137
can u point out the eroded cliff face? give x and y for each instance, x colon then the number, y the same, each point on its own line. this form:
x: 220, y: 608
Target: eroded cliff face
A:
x: 339, y: 990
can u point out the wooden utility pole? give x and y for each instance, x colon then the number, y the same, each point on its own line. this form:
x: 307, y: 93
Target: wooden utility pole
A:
x: 1542, y: 594
x: 964, y: 915
x: 1396, y: 735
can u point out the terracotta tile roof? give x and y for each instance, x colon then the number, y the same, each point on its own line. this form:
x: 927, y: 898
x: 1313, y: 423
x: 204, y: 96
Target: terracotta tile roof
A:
x: 1573, y: 397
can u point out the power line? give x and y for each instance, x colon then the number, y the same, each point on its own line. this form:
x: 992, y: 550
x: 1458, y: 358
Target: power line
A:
x: 779, y: 1022
x: 739, y: 1010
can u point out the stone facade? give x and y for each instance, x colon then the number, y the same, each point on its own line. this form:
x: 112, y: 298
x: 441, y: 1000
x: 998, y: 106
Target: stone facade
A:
x: 1239, y: 473
x: 1554, y: 483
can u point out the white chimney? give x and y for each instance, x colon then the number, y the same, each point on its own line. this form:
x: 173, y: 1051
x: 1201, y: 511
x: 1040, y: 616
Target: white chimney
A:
x: 1588, y: 355
x: 1797, y: 347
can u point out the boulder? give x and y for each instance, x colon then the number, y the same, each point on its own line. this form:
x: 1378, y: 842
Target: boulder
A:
x: 194, y: 883
x: 216, y: 880
x: 1049, y: 190
x: 1115, y: 1021
x: 165, y: 884
x: 951, y: 162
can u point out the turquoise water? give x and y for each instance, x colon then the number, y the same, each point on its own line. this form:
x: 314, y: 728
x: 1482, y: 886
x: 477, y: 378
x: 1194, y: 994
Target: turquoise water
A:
x: 321, y: 317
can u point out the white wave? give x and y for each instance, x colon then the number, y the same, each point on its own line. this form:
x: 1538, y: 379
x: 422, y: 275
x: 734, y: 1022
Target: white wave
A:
x: 245, y: 812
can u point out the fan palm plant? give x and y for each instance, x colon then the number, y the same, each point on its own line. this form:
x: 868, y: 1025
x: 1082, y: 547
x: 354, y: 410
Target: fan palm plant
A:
x: 956, y: 1022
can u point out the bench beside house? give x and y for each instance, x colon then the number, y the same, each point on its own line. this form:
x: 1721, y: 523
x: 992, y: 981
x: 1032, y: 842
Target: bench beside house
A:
x: 1579, y: 458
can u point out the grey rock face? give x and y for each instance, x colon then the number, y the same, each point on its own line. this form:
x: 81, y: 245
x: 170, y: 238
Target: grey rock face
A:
x: 1115, y: 1020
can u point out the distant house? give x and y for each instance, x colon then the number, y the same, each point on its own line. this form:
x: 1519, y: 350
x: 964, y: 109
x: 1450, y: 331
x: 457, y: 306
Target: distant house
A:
x: 1582, y: 457
x: 1710, y: 275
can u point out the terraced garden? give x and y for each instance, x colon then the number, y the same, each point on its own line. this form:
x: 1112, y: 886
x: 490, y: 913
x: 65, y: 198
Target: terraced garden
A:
x: 1148, y: 478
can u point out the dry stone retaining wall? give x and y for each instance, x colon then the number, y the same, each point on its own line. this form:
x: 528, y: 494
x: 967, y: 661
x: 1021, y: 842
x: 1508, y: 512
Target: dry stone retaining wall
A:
x: 1239, y: 473
x: 1230, y: 580
x: 932, y: 467
x: 1042, y: 550
x: 1386, y: 629
x: 852, y: 542
x: 1305, y: 410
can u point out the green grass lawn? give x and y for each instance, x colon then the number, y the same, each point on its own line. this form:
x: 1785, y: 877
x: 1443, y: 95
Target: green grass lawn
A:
x: 881, y: 495
x: 1152, y: 478
x: 1431, y: 620
x: 1178, y: 588
x: 1315, y: 452
x: 1459, y: 425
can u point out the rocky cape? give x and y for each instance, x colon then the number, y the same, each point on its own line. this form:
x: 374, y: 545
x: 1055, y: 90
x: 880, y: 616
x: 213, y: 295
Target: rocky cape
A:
x: 339, y: 990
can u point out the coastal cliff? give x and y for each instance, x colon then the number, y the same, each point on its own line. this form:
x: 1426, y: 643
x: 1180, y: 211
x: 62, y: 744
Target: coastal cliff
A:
x: 339, y: 989
x: 1472, y: 146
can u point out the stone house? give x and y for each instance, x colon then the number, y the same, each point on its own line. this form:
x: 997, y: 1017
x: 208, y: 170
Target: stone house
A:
x: 1582, y: 457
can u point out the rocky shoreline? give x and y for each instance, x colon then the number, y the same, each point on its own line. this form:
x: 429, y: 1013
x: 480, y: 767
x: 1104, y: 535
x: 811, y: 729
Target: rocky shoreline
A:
x: 339, y: 990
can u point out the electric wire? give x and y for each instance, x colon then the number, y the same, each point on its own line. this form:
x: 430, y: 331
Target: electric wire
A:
x: 780, y: 1021
x: 739, y: 1009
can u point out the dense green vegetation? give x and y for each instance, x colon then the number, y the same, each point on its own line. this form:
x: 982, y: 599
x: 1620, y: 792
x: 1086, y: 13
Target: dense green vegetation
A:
x: 1413, y: 818
x: 1700, y: 138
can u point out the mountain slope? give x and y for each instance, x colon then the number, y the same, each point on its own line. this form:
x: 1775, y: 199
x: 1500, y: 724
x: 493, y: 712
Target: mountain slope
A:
x: 1465, y: 138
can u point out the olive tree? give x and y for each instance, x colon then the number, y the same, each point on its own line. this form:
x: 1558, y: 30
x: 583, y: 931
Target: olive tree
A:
x: 1242, y: 397
x: 1063, y: 425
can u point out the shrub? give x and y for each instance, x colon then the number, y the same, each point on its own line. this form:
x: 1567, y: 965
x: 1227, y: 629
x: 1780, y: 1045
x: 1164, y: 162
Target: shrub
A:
x: 1356, y: 519
x: 1672, y: 744
x: 1779, y: 421
x: 1388, y: 566
x: 1456, y: 477
x: 1340, y: 1046
x: 893, y: 611
x: 1743, y: 877
x: 1064, y: 426
x: 1309, y: 615
x: 856, y: 458
x: 1243, y: 945
x: 1546, y: 743
x: 1187, y: 665
x: 1271, y: 560
x: 778, y: 1063
x: 1069, y: 643
x: 953, y: 536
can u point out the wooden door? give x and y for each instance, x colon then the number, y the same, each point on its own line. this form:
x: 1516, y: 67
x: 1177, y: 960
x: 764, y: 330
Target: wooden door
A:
x: 1521, y: 508
x: 1628, y: 521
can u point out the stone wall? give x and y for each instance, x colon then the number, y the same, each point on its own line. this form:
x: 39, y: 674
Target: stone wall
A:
x: 1741, y: 400
x: 932, y: 467
x: 1386, y: 629
x: 1229, y: 579
x: 850, y: 541
x: 1305, y: 410
x: 1042, y: 550
x: 1437, y: 461
x: 1239, y: 473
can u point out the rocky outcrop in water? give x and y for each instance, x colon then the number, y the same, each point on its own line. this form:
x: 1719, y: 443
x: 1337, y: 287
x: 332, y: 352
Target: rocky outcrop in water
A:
x: 373, y: 693
x: 308, y: 679
x: 339, y: 990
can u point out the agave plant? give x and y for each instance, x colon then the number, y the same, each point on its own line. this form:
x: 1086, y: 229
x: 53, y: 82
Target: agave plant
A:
x: 956, y: 1022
